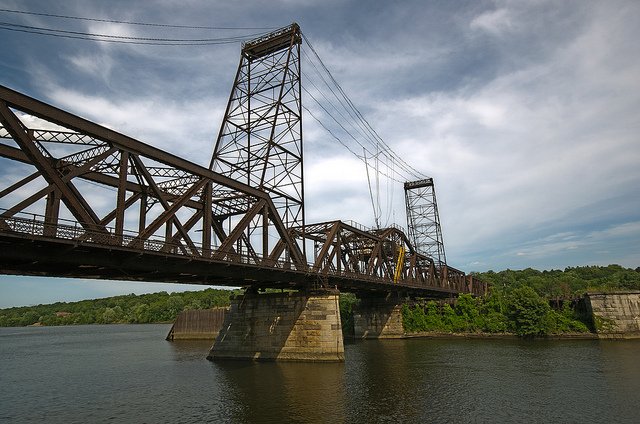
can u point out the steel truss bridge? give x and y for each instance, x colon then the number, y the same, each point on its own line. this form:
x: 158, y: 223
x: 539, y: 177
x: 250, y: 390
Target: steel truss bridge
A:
x: 81, y: 200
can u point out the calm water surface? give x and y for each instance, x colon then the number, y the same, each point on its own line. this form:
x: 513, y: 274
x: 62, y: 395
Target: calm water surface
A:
x: 129, y: 373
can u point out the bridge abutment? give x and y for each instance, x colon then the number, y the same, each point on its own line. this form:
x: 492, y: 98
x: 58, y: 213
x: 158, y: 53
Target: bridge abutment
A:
x: 290, y: 326
x: 378, y: 317
x: 615, y: 315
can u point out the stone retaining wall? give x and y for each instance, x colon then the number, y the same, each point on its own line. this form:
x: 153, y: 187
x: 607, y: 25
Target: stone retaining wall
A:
x: 615, y: 315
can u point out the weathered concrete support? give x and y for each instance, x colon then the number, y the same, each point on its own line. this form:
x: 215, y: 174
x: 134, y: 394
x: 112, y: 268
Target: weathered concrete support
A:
x: 615, y: 315
x: 282, y: 326
x: 378, y: 318
x: 201, y: 324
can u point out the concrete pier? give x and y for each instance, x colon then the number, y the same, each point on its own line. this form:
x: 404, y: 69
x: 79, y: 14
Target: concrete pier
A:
x: 290, y: 326
x: 378, y: 317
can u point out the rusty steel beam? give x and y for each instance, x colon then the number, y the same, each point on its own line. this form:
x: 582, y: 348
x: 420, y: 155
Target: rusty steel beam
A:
x: 112, y: 160
x: 76, y: 204
x: 119, y: 141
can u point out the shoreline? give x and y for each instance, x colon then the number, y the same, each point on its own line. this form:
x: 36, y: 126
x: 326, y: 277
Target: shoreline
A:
x: 511, y: 336
x: 500, y: 336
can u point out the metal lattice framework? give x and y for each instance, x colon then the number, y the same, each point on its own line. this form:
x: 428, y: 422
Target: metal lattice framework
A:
x: 348, y: 251
x: 260, y: 140
x: 80, y: 200
x: 64, y: 180
x: 423, y: 220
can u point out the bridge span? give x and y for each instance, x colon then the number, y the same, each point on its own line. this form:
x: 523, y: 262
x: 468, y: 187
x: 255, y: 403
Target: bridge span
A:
x: 346, y: 256
x: 81, y: 200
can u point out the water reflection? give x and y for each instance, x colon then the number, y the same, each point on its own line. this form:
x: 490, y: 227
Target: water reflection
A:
x: 380, y: 382
x: 188, y: 350
x: 283, y: 391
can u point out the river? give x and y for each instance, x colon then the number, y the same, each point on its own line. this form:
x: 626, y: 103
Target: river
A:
x: 129, y: 373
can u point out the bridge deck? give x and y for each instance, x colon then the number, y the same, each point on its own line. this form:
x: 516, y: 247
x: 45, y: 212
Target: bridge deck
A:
x: 28, y: 254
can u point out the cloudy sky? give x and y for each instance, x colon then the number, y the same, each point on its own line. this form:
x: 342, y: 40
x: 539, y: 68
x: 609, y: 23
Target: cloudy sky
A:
x: 526, y: 113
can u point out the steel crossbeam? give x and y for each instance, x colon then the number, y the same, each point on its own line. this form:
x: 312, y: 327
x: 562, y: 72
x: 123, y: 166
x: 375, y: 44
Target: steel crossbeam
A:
x: 379, y: 255
x: 198, y: 203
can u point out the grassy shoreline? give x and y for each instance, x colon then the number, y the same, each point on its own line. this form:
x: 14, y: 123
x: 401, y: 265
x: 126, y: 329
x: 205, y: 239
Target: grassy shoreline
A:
x: 500, y: 336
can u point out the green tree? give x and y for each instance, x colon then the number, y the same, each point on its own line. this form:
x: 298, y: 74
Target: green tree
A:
x: 527, y: 312
x: 467, y: 309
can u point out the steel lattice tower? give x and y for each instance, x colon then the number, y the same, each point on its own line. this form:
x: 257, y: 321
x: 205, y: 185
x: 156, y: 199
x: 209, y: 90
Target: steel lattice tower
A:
x: 260, y: 140
x: 423, y: 219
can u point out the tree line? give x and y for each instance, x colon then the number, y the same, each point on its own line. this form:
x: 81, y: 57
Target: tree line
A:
x: 521, y: 311
x: 131, y: 308
x: 564, y: 284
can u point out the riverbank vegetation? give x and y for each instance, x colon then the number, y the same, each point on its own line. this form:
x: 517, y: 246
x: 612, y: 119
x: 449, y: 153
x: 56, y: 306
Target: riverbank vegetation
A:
x: 527, y: 302
x: 522, y: 312
x: 570, y: 283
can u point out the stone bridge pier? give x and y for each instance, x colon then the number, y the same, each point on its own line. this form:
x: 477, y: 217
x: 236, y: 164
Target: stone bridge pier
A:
x: 378, y: 316
x: 301, y: 326
x: 287, y: 326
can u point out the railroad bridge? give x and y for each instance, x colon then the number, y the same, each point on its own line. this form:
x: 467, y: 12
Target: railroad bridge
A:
x: 81, y: 200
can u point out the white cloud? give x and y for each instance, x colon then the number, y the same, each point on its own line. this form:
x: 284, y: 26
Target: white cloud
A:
x: 183, y: 128
x: 597, y: 240
x: 494, y: 22
x: 532, y: 145
x: 93, y: 64
x: 627, y: 229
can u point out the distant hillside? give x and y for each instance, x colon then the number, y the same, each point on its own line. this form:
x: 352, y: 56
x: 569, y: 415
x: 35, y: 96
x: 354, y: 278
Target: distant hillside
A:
x: 134, y: 309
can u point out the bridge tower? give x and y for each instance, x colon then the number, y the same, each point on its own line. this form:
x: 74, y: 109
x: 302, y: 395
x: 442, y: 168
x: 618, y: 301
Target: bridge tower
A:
x: 260, y: 139
x: 423, y: 221
x: 260, y: 144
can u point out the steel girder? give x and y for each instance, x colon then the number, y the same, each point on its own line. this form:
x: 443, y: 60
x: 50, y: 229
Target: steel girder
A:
x: 260, y: 140
x: 86, y: 183
x: 347, y: 250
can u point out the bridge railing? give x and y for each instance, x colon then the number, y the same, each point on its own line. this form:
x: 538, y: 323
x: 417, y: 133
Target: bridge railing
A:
x: 357, y: 225
x: 34, y: 225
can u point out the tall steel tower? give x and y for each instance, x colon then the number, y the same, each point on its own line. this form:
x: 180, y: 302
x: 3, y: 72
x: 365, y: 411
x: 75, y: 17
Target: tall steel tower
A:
x: 260, y: 140
x: 423, y: 221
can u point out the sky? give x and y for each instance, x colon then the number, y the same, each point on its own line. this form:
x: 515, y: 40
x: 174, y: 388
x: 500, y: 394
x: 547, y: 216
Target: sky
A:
x: 525, y: 113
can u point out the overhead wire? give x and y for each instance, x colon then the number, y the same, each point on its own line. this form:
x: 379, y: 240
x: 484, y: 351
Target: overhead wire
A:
x: 339, y: 140
x: 123, y: 38
x: 126, y: 39
x: 376, y: 216
x: 387, y: 151
x: 359, y: 127
x: 114, y: 21
x: 341, y: 125
x: 373, y: 154
x: 341, y: 110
